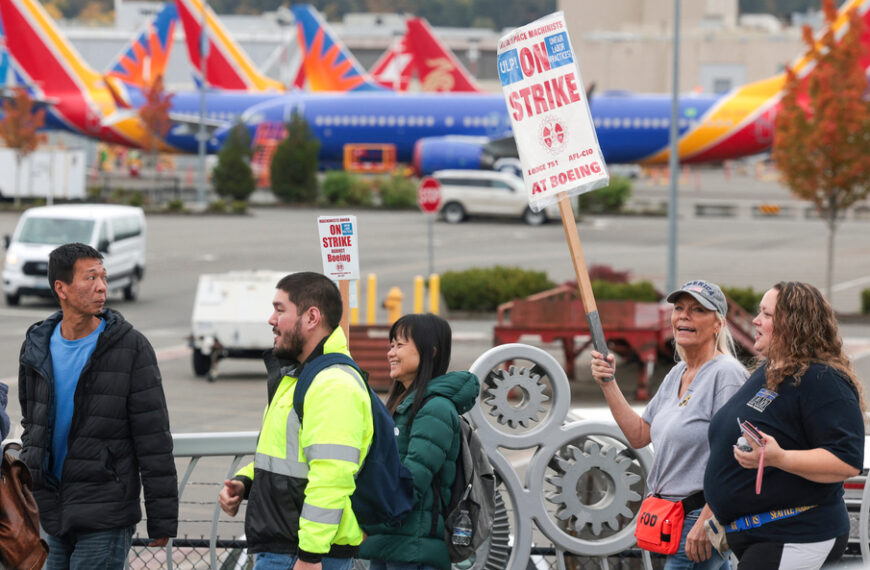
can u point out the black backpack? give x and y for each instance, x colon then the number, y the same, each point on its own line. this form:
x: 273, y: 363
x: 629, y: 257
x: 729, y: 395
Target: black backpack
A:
x: 473, y: 492
x: 384, y: 487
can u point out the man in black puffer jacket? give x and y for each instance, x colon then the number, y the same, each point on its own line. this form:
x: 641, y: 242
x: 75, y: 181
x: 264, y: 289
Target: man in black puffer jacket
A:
x: 96, y: 427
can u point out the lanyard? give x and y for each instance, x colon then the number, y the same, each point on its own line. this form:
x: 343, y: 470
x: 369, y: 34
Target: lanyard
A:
x: 755, y: 521
x: 760, y: 471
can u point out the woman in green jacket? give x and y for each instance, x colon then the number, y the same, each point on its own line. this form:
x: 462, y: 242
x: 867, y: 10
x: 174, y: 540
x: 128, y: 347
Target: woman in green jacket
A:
x: 423, y: 390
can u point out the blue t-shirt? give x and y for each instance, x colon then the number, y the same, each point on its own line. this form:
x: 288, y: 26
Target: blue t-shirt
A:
x: 821, y: 411
x: 68, y: 358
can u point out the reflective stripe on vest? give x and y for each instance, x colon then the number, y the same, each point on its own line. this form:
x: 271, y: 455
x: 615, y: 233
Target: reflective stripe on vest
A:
x: 288, y: 465
x: 332, y: 451
x: 321, y: 515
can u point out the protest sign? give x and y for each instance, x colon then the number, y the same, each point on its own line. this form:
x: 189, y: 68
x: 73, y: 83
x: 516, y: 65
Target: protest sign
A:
x: 550, y: 115
x: 554, y: 132
x: 339, y: 249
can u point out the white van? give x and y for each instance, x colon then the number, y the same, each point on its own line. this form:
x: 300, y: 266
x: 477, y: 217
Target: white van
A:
x: 118, y: 232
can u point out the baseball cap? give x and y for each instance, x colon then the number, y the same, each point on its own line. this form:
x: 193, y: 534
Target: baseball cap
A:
x: 708, y: 294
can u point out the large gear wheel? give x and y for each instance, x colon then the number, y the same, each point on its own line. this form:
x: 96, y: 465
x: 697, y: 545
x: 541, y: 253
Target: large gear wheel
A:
x: 500, y: 383
x: 600, y: 507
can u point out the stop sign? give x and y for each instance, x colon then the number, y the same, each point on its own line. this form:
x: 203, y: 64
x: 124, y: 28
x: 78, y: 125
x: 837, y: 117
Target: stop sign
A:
x: 429, y: 195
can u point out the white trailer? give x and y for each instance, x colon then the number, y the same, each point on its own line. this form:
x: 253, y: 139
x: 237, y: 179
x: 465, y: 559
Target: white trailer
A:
x: 46, y: 173
x: 231, y: 317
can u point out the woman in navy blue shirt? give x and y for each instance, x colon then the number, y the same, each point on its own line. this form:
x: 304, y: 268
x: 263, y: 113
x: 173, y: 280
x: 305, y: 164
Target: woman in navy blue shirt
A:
x: 807, y: 402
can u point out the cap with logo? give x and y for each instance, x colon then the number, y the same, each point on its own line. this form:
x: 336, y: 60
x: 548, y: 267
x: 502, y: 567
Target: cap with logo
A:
x: 708, y: 294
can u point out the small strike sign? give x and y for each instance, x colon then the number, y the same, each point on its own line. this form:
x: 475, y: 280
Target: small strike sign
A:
x: 429, y: 195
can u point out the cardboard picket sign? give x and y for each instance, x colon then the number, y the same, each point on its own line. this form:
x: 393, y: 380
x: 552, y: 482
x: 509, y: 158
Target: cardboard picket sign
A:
x: 551, y: 120
x: 555, y: 135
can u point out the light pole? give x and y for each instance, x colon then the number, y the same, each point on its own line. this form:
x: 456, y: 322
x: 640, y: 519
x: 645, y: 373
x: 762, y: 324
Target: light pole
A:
x: 201, y: 137
x: 674, y: 163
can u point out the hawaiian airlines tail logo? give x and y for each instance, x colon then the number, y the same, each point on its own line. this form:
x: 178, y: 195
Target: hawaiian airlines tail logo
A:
x: 440, y: 78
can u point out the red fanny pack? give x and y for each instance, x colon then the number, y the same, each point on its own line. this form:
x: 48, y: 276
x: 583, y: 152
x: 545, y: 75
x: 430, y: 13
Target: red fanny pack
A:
x: 659, y: 525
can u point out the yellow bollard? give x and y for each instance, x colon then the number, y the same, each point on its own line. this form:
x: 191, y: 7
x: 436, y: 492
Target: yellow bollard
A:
x: 434, y: 293
x: 371, y: 294
x: 393, y: 305
x: 354, y: 312
x: 418, y: 294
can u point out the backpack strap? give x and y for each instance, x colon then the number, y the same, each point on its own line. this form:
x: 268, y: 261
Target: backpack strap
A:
x: 315, y: 367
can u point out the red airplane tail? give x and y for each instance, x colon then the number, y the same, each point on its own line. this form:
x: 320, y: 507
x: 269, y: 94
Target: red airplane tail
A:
x: 437, y: 67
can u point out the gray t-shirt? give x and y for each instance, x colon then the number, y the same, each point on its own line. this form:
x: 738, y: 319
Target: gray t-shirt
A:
x: 678, y: 426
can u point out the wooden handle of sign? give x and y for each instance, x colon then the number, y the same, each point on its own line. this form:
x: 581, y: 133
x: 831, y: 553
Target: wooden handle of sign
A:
x: 344, y: 289
x: 583, y: 282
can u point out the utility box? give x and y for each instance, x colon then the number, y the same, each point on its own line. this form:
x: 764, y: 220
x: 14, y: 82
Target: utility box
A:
x: 230, y: 317
x: 48, y: 173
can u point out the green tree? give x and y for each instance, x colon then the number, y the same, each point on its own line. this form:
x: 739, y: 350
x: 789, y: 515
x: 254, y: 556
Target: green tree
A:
x: 294, y: 165
x: 232, y: 175
x: 821, y: 144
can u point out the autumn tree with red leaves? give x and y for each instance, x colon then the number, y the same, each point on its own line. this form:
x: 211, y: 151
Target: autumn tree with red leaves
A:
x: 155, y: 115
x: 822, y: 141
x: 19, y: 129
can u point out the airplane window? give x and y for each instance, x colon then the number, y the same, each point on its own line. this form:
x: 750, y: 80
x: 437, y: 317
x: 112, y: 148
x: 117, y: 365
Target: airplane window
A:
x: 466, y: 122
x: 391, y: 121
x: 666, y: 123
x: 596, y: 121
x: 626, y: 122
x: 345, y: 120
x: 637, y: 122
x: 448, y: 121
x: 400, y: 121
x: 318, y: 120
x: 327, y: 121
x: 412, y: 121
x: 421, y: 120
x: 646, y: 122
x: 616, y: 122
x: 430, y: 121
x: 354, y: 120
x: 382, y: 121
x: 373, y: 120
x: 606, y: 122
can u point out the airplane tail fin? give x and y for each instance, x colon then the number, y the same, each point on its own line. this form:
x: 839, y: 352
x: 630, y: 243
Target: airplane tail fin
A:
x: 40, y: 51
x: 328, y: 64
x: 227, y: 64
x: 437, y: 66
x: 145, y: 58
x: 395, y: 67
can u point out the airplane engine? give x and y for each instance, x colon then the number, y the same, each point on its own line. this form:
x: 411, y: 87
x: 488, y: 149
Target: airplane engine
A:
x: 441, y: 153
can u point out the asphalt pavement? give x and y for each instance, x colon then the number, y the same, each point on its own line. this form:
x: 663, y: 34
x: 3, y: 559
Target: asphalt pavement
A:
x: 734, y: 251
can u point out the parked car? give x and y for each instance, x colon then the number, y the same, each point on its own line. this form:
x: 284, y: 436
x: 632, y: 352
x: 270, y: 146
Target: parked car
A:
x: 118, y: 232
x: 467, y: 193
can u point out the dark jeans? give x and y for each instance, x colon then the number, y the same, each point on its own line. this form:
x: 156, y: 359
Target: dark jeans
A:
x: 103, y: 549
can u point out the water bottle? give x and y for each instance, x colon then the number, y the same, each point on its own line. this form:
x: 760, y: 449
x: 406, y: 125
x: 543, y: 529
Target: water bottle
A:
x: 462, y: 529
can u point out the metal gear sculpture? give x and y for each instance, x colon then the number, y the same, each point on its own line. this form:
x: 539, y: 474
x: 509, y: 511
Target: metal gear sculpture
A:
x: 503, y: 382
x: 567, y: 459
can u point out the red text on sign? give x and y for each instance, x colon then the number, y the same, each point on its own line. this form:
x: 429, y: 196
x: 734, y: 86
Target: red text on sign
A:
x: 337, y: 241
x: 542, y: 97
x: 534, y: 60
x: 562, y: 178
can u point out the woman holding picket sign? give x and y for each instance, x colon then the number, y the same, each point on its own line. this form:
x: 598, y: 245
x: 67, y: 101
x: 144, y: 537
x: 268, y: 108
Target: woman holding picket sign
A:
x: 424, y: 392
x: 672, y: 517
x: 800, y: 416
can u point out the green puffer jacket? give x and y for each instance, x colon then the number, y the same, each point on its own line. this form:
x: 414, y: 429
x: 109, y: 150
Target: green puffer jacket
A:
x: 431, y: 447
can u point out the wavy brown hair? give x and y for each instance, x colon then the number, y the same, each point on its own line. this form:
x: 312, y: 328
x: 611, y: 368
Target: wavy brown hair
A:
x: 805, y: 331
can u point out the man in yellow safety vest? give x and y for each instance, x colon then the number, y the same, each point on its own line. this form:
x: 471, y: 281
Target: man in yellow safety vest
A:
x: 299, y: 485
